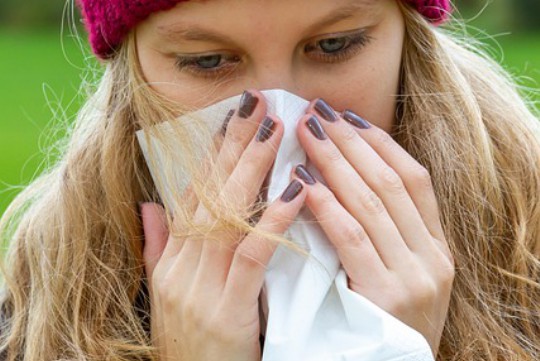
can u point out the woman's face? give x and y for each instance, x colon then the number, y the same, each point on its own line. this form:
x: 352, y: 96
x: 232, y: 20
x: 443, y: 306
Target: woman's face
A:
x: 347, y: 52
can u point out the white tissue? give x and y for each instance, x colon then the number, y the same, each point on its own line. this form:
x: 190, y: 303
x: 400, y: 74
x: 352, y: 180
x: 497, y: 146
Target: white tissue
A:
x: 308, y: 311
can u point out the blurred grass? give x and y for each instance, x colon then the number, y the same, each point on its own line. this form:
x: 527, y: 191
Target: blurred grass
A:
x: 33, y: 68
x: 35, y: 76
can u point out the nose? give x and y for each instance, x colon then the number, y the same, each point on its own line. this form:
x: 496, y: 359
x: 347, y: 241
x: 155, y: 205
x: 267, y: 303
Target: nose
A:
x: 276, y: 71
x: 276, y: 75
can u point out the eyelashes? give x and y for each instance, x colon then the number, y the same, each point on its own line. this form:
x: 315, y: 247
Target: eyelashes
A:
x: 328, y: 50
x: 338, y: 49
x: 208, y: 65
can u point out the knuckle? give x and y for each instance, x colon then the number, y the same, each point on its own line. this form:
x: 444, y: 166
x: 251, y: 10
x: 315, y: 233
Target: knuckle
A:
x: 165, y: 292
x: 353, y: 236
x: 325, y: 199
x: 422, y: 286
x: 391, y: 181
x: 447, y: 273
x: 385, y: 139
x: 277, y: 214
x: 371, y: 203
x: 333, y: 154
x: 253, y: 159
x: 425, y: 292
x: 449, y: 257
x: 349, y: 134
x: 237, y: 134
x: 422, y: 178
x: 249, y: 254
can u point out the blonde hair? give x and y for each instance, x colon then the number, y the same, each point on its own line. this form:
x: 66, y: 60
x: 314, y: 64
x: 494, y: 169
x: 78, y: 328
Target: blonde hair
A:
x: 74, y: 280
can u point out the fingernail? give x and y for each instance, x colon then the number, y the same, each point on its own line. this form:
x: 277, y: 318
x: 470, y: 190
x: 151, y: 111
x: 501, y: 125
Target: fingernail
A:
x: 266, y: 129
x: 316, y: 128
x: 248, y: 102
x: 326, y: 111
x: 304, y: 174
x: 226, y: 121
x: 293, y: 189
x: 355, y: 120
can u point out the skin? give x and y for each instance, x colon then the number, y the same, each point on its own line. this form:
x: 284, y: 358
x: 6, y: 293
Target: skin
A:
x: 271, y: 47
x: 379, y: 209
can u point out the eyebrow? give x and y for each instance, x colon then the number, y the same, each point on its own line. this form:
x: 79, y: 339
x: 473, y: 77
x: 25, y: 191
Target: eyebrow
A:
x: 195, y: 33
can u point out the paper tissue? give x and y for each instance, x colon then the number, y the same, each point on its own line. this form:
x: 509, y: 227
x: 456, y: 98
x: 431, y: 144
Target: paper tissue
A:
x: 308, y: 311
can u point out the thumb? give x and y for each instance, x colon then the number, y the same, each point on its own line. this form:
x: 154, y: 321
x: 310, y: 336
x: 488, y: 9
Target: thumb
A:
x: 155, y: 235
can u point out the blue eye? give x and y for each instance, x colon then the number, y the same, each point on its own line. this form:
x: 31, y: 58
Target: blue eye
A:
x: 338, y: 49
x: 209, y: 61
x: 207, y: 65
x: 334, y: 49
x: 333, y: 45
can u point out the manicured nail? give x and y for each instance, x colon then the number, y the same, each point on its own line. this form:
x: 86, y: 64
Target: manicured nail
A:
x: 326, y: 111
x: 248, y: 103
x: 304, y: 174
x: 266, y: 129
x: 355, y: 120
x: 293, y: 189
x: 316, y: 128
x: 226, y: 121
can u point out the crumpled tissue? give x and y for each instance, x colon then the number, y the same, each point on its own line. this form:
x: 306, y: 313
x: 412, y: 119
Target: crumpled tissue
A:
x: 308, y: 311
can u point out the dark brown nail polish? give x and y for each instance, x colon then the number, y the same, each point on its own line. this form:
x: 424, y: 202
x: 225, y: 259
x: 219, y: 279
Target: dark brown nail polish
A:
x: 248, y: 103
x: 316, y: 128
x: 226, y: 121
x: 304, y: 174
x: 266, y: 129
x: 293, y: 189
x: 355, y: 120
x: 326, y: 111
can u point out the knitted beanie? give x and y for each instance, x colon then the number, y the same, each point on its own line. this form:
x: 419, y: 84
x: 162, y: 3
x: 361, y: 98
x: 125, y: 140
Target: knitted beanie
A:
x: 109, y: 21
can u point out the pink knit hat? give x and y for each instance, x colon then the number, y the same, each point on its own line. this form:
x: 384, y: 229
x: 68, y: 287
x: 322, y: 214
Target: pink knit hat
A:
x: 109, y: 21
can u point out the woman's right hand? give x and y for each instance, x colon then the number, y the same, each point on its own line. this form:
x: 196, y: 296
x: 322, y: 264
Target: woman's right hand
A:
x: 204, y: 294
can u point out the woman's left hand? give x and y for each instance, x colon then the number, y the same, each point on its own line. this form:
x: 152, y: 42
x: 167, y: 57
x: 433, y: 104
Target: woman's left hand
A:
x: 380, y: 212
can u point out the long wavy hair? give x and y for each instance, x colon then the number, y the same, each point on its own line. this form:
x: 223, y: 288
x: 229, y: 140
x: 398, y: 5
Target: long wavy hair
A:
x: 74, y: 283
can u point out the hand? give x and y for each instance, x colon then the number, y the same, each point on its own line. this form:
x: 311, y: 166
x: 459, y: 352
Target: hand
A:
x: 204, y: 293
x: 380, y: 212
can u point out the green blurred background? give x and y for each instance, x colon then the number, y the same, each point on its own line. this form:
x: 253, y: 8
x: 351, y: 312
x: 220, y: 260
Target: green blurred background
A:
x: 42, y: 66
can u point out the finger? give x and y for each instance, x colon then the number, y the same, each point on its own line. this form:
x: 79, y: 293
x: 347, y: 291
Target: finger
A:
x: 239, y: 192
x: 239, y: 130
x: 244, y: 183
x: 415, y: 177
x: 353, y: 193
x: 353, y: 246
x: 246, y: 276
x: 189, y: 198
x: 155, y: 233
x: 382, y: 179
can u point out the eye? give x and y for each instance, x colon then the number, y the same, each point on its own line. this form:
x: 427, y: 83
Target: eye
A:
x: 209, y: 61
x: 207, y: 64
x: 338, y: 48
x: 333, y: 44
x: 332, y: 49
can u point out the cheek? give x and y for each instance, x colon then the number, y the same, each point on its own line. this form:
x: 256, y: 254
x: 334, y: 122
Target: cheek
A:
x: 370, y: 86
x: 163, y: 77
x: 371, y: 95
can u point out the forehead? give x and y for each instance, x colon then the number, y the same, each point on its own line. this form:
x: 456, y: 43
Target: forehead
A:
x: 269, y: 15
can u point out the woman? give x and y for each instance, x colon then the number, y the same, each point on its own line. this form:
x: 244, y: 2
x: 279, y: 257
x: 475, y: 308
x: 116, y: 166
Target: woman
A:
x: 441, y: 231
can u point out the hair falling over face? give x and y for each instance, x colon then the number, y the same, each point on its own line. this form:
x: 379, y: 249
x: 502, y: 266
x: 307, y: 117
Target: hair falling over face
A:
x: 74, y: 280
